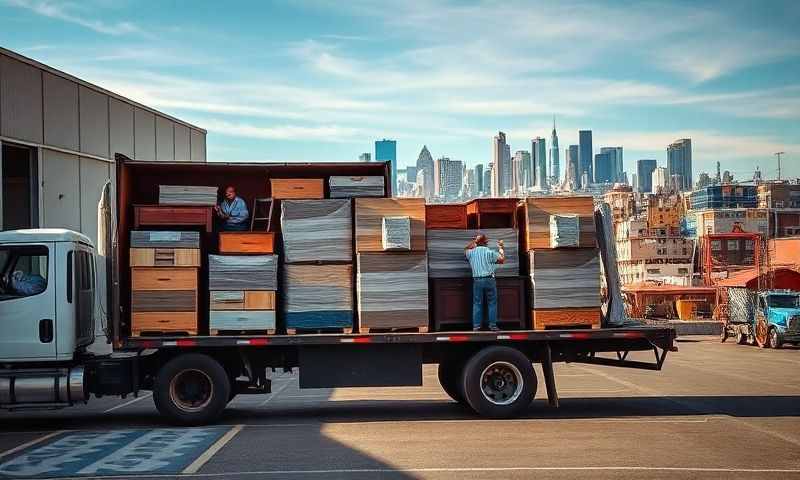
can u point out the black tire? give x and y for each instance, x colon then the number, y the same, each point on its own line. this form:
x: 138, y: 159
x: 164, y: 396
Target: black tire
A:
x: 723, y: 335
x: 741, y: 338
x: 499, y: 382
x: 450, y: 379
x: 774, y: 339
x: 192, y: 389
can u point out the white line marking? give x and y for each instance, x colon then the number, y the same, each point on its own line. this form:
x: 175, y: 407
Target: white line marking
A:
x: 29, y: 444
x: 129, y: 402
x: 465, y: 470
x: 212, y: 450
x: 274, y: 394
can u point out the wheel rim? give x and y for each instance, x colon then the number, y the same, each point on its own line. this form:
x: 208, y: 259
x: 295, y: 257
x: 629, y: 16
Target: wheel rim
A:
x: 501, y: 383
x: 773, y: 338
x: 191, y: 390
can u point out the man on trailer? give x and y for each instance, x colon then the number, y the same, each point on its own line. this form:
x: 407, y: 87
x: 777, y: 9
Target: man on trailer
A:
x: 483, y: 261
x: 233, y: 211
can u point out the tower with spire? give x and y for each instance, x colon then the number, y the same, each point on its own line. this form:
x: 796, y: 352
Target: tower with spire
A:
x: 425, y: 166
x: 555, y: 168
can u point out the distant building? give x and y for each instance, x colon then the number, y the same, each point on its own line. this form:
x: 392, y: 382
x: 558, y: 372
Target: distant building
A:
x: 425, y: 166
x: 585, y: 155
x: 703, y: 180
x: 644, y: 174
x: 365, y: 157
x: 520, y: 171
x: 645, y: 255
x: 554, y: 170
x: 469, y: 187
x: 679, y: 162
x: 724, y: 196
x: 487, y: 179
x: 622, y: 201
x: 539, y: 164
x: 659, y: 179
x: 723, y: 220
x: 448, y: 178
x: 411, y: 174
x: 604, y: 167
x: 727, y: 177
x: 386, y: 151
x: 501, y: 159
x: 479, y: 186
x: 664, y: 214
x: 572, y: 175
x: 616, y: 167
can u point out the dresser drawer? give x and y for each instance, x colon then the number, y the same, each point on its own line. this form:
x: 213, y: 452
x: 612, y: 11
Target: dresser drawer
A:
x: 156, y: 215
x: 160, y: 322
x: 158, y: 278
x: 297, y: 188
x: 246, y: 242
x: 165, y: 257
x: 164, y: 300
x: 242, y: 300
x: 242, y: 320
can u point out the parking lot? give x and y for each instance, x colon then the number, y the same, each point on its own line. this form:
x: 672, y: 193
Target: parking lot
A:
x: 715, y: 410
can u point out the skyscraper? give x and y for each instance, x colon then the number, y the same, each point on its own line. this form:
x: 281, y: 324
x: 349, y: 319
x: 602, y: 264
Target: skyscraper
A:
x: 659, y: 179
x: 679, y: 162
x: 468, y: 190
x: 448, y: 177
x: 501, y: 160
x: 604, y: 167
x: 487, y: 179
x: 365, y: 157
x: 585, y: 155
x: 539, y: 161
x: 644, y: 174
x: 479, y: 186
x: 572, y: 177
x: 386, y: 151
x: 411, y: 174
x: 615, y: 173
x: 554, y: 171
x: 521, y: 170
x: 425, y: 165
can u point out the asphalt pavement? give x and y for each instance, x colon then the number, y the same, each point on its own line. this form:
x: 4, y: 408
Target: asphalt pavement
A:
x: 715, y: 410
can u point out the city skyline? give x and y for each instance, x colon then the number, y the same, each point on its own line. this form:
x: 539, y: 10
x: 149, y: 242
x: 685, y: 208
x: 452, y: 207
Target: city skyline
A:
x: 267, y: 92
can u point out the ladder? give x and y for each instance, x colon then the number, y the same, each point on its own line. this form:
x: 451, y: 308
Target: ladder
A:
x: 262, y: 213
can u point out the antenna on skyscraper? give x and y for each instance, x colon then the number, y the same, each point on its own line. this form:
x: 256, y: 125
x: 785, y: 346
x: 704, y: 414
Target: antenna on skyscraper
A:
x: 778, y: 154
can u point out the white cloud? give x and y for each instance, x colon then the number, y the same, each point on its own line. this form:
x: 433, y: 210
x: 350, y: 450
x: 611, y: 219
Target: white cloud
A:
x: 322, y: 133
x: 66, y: 12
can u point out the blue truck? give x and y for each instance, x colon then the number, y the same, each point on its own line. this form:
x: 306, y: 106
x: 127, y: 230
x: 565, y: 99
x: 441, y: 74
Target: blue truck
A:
x: 768, y: 319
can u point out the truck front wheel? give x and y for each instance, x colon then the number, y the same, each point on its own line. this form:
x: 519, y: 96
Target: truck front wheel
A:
x: 775, y: 340
x: 499, y: 382
x: 191, y: 389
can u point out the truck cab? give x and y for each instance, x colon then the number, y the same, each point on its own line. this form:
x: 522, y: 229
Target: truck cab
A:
x: 781, y: 310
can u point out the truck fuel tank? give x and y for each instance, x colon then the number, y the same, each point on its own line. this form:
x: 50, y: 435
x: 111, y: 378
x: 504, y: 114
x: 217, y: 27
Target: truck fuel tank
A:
x: 58, y: 387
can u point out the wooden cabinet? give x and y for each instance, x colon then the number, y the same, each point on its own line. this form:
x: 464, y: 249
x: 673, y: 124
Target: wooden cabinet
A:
x: 557, y: 318
x: 242, y: 300
x: 172, y: 216
x: 452, y: 303
x: 246, y: 242
x: 143, y: 323
x: 165, y: 257
x: 249, y: 321
x: 164, y: 279
x: 453, y: 216
x: 297, y: 188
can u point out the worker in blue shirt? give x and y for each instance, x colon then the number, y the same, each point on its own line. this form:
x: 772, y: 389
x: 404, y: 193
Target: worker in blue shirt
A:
x: 484, y: 261
x: 233, y: 212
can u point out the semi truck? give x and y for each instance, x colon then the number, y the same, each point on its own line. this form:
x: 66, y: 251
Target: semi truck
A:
x: 62, y: 302
x: 768, y: 319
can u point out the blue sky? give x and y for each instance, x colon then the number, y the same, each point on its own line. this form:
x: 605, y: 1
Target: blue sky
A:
x: 313, y: 80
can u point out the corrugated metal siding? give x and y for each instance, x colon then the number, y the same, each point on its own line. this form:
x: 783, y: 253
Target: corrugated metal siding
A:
x: 198, y: 145
x: 60, y: 190
x: 60, y: 112
x: 144, y: 135
x: 165, y: 139
x: 121, y: 128
x: 94, y: 174
x: 182, y: 151
x: 20, y: 100
x: 94, y: 122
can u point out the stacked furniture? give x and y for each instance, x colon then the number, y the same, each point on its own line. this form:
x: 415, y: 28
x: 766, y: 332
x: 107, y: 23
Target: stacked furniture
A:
x: 349, y: 187
x: 297, y: 188
x: 242, y: 293
x: 318, y: 265
x: 164, y: 282
x: 563, y: 261
x: 392, y: 264
x: 449, y: 270
x: 187, y: 195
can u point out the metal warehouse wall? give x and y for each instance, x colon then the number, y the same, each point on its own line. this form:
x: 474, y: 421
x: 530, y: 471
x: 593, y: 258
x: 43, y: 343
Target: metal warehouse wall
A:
x: 75, y: 129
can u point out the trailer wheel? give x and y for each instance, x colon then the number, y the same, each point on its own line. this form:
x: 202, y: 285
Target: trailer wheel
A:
x: 774, y: 339
x: 191, y: 389
x: 450, y: 379
x: 741, y: 338
x: 499, y: 382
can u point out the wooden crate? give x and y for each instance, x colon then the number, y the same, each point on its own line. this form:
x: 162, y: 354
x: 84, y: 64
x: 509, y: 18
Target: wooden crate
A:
x: 492, y: 213
x: 165, y: 257
x: 451, y: 216
x: 536, y: 216
x: 163, y: 323
x: 241, y: 320
x: 297, y: 188
x: 247, y: 242
x: 163, y: 301
x: 172, y: 216
x: 451, y: 301
x: 555, y: 318
x: 242, y: 300
x: 369, y: 221
x: 162, y: 278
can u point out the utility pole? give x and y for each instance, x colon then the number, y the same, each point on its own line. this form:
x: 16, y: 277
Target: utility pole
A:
x: 778, y: 154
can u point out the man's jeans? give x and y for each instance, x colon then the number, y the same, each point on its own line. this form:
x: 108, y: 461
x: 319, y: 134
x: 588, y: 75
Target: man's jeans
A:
x: 484, y: 287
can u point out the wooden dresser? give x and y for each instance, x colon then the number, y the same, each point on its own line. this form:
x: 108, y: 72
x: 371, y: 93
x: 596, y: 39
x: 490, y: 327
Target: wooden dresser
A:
x: 172, y: 216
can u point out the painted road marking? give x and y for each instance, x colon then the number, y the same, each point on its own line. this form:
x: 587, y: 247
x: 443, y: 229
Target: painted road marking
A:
x: 33, y: 442
x: 129, y: 402
x: 216, y: 447
x: 69, y: 454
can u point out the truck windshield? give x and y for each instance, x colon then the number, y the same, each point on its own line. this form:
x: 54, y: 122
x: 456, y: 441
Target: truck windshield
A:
x: 783, y: 301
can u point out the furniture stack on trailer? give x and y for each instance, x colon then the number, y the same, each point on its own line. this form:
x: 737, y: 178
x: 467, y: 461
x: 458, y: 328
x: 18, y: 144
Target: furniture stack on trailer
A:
x: 450, y: 229
x: 563, y: 261
x: 392, y: 277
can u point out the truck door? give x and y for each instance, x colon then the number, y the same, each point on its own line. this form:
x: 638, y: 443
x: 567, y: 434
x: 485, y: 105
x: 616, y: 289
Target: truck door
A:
x: 27, y: 302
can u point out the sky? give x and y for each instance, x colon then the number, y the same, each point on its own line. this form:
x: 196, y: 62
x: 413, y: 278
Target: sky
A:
x: 321, y: 81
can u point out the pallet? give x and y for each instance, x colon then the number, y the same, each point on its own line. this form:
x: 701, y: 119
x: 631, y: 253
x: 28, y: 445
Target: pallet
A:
x: 393, y: 330
x: 560, y: 318
x: 215, y: 333
x: 163, y: 333
x: 310, y: 331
